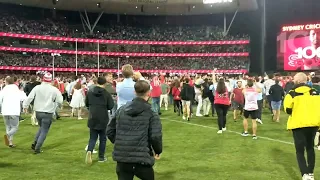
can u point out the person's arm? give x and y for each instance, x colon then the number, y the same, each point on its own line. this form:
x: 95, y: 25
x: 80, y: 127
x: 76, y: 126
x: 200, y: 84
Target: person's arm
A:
x: 59, y: 98
x: 86, y: 101
x: 30, y: 97
x: 111, y: 128
x: 288, y: 102
x: 214, y: 76
x: 110, y: 102
x: 155, y: 134
x: 1, y: 96
x: 270, y: 90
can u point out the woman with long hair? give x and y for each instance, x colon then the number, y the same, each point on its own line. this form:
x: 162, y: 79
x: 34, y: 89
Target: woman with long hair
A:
x: 176, y: 90
x: 221, y: 103
x: 77, y: 101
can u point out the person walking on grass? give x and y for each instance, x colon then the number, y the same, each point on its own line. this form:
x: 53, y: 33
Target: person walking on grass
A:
x: 237, y: 100
x: 250, y: 108
x: 221, y: 103
x: 187, y: 95
x: 277, y: 93
x: 77, y: 101
x: 302, y: 104
x: 45, y: 97
x: 99, y: 102
x: 10, y: 101
x: 136, y: 133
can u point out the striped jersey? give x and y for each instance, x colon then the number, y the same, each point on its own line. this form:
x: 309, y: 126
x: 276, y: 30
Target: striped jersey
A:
x: 251, y: 97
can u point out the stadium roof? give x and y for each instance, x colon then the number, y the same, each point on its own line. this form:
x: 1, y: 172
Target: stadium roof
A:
x: 142, y: 7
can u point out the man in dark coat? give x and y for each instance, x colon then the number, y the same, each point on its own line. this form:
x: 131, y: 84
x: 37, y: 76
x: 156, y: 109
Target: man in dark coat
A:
x: 98, y: 101
x: 136, y: 132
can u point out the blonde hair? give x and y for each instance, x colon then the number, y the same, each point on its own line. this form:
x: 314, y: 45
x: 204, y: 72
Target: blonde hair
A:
x: 300, y: 78
x: 127, y: 71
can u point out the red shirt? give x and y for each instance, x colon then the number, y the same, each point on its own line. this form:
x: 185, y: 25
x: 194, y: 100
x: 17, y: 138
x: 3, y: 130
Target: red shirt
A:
x: 156, y: 89
x: 238, y: 95
x: 176, y: 93
x: 222, y: 98
x: 191, y: 82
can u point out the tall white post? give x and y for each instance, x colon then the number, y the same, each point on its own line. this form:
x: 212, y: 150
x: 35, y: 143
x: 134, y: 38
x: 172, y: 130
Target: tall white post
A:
x: 53, y: 65
x: 118, y: 67
x: 77, y: 58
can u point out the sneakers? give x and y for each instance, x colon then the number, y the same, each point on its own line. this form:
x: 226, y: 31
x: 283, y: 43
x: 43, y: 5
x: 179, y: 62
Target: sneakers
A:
x: 6, y: 140
x: 219, y: 132
x: 199, y: 115
x: 259, y: 121
x: 319, y: 148
x: 311, y: 176
x: 254, y: 137
x: 93, y: 152
x: 37, y: 151
x: 224, y: 129
x: 12, y: 146
x: 245, y: 134
x: 80, y: 118
x: 308, y: 177
x: 102, y: 160
x: 183, y: 117
x: 89, y: 158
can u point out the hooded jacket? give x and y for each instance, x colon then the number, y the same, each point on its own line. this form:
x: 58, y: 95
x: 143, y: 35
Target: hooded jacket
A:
x: 136, y: 133
x: 187, y: 92
x: 98, y: 101
x: 302, y: 104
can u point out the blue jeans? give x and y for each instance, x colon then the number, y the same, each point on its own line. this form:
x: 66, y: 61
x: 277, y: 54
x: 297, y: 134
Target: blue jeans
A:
x: 170, y: 99
x: 45, y: 121
x: 156, y: 104
x: 102, y: 138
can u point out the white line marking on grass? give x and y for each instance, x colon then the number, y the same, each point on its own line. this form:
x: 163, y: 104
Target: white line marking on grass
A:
x: 209, y: 127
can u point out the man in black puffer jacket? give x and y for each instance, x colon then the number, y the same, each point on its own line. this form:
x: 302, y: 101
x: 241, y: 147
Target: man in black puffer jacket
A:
x: 136, y: 132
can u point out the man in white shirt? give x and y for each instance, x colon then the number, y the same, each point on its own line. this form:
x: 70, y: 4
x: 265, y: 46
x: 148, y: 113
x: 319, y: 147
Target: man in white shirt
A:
x: 267, y: 84
x: 10, y: 100
x: 46, y: 97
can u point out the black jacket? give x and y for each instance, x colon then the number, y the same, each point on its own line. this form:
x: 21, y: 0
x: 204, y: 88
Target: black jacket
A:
x: 187, y: 93
x: 30, y: 86
x: 276, y: 92
x: 136, y: 132
x: 289, y: 85
x: 205, y: 92
x: 98, y: 101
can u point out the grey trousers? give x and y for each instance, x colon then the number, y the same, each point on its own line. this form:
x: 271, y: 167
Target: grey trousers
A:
x: 12, y: 124
x: 45, y: 121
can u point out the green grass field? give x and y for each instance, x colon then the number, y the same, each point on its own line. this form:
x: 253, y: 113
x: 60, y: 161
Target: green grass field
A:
x: 191, y: 151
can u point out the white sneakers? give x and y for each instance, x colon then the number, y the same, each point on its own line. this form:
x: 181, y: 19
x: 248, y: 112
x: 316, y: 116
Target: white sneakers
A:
x: 219, y: 132
x: 199, y: 115
x: 94, y: 151
x: 224, y: 129
x: 308, y: 177
x: 183, y: 117
x: 259, y: 121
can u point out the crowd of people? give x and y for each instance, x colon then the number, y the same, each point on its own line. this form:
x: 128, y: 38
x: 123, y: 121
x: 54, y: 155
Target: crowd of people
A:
x: 164, y: 63
x: 127, y: 98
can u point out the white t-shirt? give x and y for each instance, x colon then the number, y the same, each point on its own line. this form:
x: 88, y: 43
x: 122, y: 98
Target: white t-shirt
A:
x: 267, y: 84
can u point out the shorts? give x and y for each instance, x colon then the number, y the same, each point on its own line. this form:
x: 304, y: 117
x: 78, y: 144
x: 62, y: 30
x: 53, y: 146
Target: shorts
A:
x: 276, y: 105
x: 237, y: 106
x: 253, y: 114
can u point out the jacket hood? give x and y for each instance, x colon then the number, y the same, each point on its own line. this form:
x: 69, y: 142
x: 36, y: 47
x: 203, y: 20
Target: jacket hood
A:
x: 97, y: 91
x: 136, y: 107
x: 302, y: 88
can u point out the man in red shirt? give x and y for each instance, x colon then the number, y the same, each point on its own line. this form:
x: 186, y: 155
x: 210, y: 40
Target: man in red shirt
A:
x: 237, y: 99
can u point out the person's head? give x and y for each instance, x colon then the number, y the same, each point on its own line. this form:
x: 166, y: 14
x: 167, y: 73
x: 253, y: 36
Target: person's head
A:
x: 15, y: 78
x: 250, y: 82
x: 77, y: 85
x: 95, y: 81
x: 136, y: 76
x: 108, y: 76
x: 33, y: 78
x: 176, y: 83
x: 300, y: 78
x: 142, y: 89
x: 270, y: 76
x: 276, y: 81
x: 186, y: 80
x: 127, y: 71
x: 221, y: 86
x: 47, y: 78
x: 9, y: 80
x: 239, y: 84
x: 313, y: 37
x: 101, y: 81
x: 315, y: 80
x: 74, y: 78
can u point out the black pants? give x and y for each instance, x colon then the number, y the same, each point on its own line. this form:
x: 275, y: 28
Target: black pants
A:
x: 222, y: 111
x: 304, y: 139
x: 269, y: 99
x: 94, y: 133
x: 126, y: 171
x: 212, y: 106
x: 260, y: 104
x: 178, y: 106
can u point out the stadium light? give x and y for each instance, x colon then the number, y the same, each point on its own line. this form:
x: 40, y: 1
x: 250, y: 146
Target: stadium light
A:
x: 216, y: 1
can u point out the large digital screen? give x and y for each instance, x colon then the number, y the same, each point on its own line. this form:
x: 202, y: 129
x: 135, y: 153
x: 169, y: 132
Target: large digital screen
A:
x: 299, y: 47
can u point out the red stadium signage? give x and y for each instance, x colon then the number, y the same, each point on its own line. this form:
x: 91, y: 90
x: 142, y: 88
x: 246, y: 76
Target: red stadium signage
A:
x: 20, y: 68
x: 300, y: 27
x: 34, y: 50
x: 103, y: 41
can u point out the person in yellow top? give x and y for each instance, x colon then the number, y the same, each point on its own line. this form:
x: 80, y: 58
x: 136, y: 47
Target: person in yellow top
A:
x: 302, y: 104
